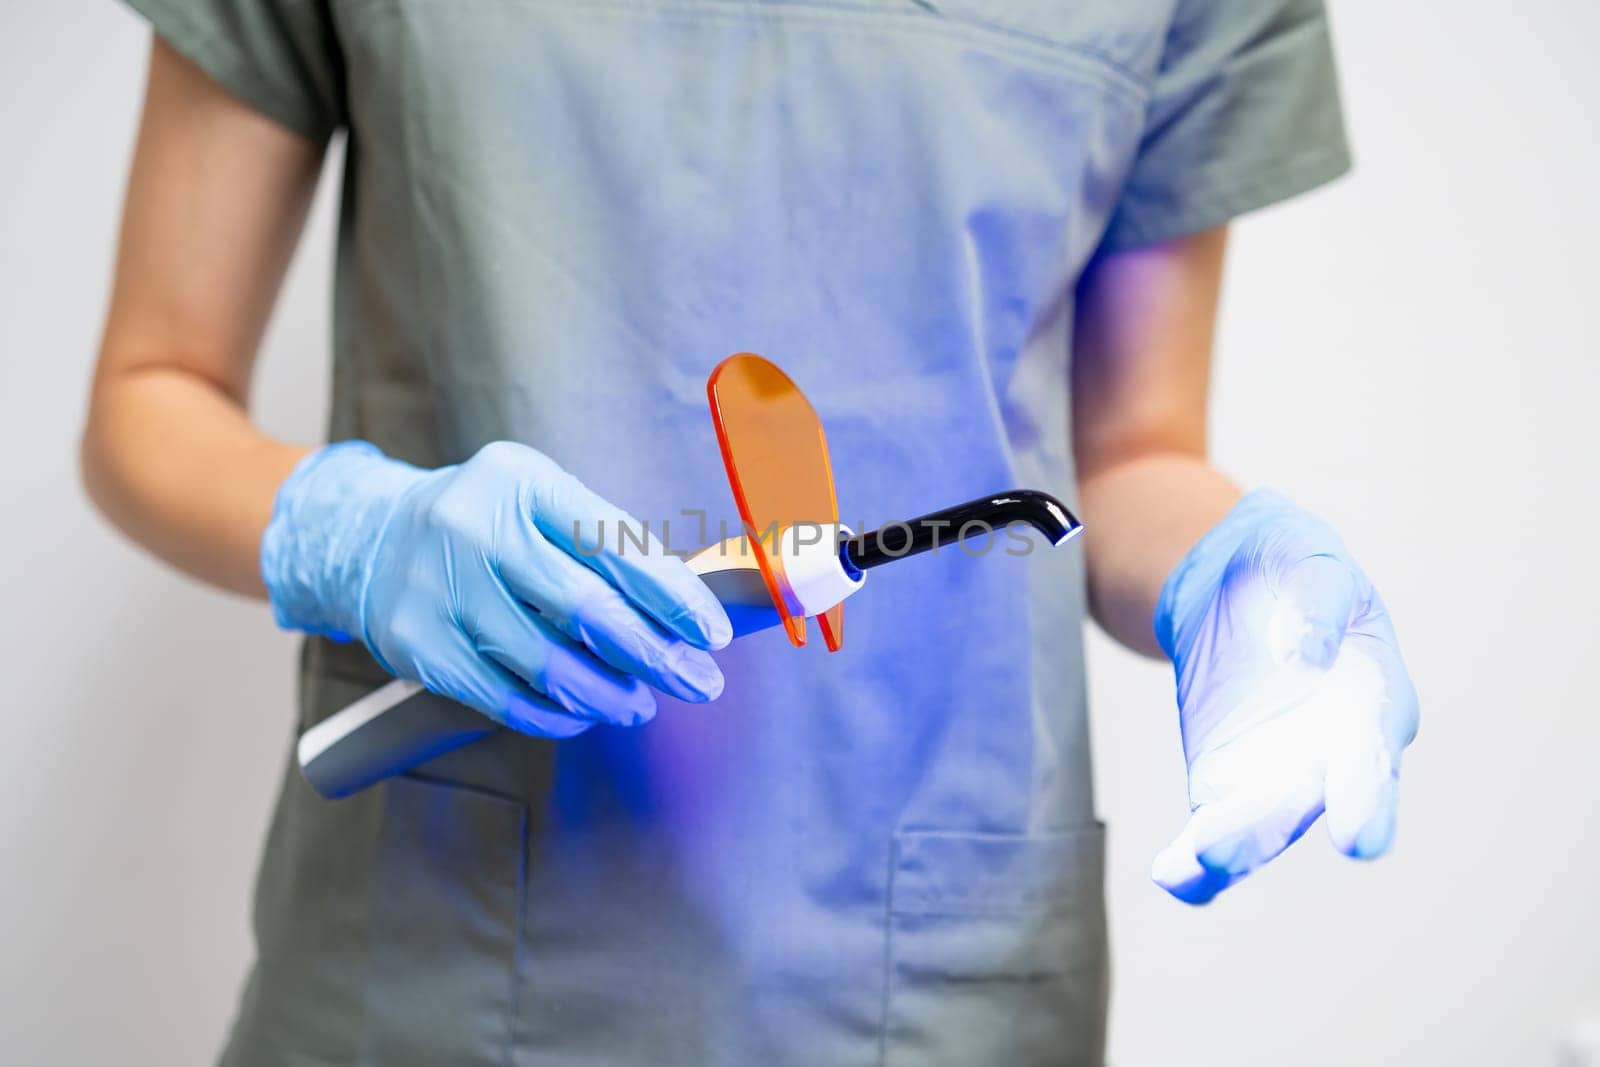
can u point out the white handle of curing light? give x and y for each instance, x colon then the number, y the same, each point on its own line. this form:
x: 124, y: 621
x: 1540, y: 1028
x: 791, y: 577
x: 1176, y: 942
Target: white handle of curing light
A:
x: 401, y: 725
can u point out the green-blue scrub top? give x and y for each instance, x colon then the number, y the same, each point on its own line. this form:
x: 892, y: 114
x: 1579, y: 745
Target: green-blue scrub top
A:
x: 557, y: 216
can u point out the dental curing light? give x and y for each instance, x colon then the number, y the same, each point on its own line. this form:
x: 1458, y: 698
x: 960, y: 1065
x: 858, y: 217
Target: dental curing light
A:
x: 795, y: 562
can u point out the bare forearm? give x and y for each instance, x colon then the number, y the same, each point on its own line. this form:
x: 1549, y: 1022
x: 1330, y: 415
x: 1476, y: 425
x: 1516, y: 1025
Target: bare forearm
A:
x: 216, y: 198
x: 1142, y: 515
x: 1140, y: 373
x: 178, y: 466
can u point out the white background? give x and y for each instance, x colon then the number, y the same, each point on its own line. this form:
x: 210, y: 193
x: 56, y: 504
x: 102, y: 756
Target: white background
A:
x: 1411, y: 352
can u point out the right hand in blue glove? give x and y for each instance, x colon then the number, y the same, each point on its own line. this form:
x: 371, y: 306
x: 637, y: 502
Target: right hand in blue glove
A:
x: 468, y: 579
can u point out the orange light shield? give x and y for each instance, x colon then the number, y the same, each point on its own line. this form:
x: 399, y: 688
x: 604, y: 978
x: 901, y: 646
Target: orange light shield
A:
x: 776, y: 456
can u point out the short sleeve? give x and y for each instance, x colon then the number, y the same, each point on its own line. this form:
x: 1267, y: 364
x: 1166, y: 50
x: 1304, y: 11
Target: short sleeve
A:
x: 1244, y: 112
x: 281, y: 57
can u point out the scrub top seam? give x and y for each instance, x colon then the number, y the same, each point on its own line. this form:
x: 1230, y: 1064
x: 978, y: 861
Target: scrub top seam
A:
x: 1011, y: 42
x: 888, y: 951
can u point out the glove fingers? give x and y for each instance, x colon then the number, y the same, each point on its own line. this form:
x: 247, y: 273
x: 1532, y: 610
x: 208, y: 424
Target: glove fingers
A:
x: 1228, y: 838
x: 1178, y: 870
x: 623, y: 550
x: 1364, y: 762
x: 1399, y: 715
x: 1363, y: 796
x: 641, y: 649
x: 1237, y: 837
x: 528, y: 713
x: 557, y: 668
x: 588, y: 609
x: 505, y: 698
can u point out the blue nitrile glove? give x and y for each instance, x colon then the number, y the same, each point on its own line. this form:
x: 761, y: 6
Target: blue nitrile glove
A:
x: 1291, y: 693
x: 468, y: 580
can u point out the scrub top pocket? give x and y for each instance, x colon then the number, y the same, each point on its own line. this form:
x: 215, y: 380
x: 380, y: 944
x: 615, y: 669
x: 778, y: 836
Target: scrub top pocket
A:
x: 448, y: 889
x: 387, y: 923
x: 996, y: 950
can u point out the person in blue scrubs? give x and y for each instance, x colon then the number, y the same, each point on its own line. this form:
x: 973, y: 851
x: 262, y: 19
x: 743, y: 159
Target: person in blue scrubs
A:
x: 986, y: 238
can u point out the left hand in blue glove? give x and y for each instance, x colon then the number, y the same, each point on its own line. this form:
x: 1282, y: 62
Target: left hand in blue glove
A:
x: 1292, y: 696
